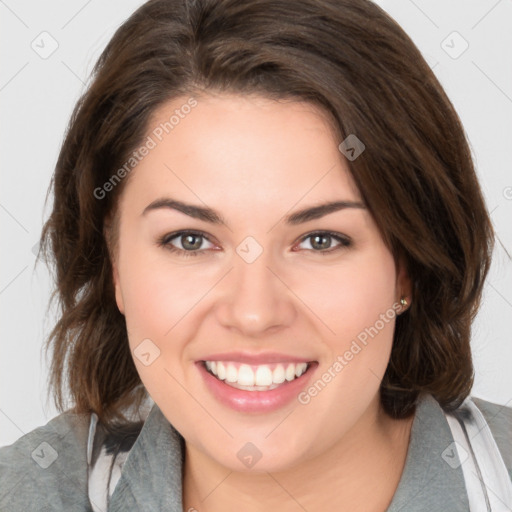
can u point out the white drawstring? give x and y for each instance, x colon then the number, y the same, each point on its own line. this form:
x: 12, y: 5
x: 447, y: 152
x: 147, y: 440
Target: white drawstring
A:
x: 487, y: 480
x: 108, y: 467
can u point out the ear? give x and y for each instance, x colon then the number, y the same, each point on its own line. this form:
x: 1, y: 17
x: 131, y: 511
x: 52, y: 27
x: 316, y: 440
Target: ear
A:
x: 107, y: 232
x: 117, y: 287
x: 403, y: 284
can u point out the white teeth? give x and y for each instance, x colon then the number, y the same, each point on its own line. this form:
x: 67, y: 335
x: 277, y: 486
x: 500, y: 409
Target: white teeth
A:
x: 221, y: 371
x: 255, y: 377
x: 278, y: 375
x: 231, y: 373
x: 300, y: 369
x: 263, y: 376
x: 290, y: 372
x: 245, y: 375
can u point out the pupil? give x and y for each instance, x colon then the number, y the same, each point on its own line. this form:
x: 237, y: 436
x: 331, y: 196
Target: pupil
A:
x: 185, y: 241
x: 319, y: 241
x: 324, y: 245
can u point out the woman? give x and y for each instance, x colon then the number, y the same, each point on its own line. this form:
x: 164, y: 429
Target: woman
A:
x: 268, y: 255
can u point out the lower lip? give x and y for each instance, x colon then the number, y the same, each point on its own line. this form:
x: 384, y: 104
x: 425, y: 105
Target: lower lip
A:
x: 256, y: 401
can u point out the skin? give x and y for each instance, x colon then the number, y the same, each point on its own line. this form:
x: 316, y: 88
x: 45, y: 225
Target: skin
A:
x: 256, y: 160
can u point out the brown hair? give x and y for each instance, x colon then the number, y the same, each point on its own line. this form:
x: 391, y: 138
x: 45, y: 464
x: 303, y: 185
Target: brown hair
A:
x: 348, y: 57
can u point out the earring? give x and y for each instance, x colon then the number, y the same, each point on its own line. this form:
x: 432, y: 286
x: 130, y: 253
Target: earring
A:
x: 403, y: 302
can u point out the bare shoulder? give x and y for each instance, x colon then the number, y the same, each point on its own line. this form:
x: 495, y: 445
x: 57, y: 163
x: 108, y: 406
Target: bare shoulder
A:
x: 47, y: 467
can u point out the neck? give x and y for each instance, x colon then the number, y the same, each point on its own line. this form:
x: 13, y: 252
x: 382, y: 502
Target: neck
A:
x: 372, y: 453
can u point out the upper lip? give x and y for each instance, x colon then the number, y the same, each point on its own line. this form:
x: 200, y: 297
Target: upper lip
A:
x: 255, y: 359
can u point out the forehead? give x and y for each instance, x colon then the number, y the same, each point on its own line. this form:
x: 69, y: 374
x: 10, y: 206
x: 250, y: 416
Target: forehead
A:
x: 245, y: 151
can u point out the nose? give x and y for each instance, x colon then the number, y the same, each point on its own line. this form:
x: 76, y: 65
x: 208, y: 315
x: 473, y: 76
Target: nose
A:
x: 255, y: 299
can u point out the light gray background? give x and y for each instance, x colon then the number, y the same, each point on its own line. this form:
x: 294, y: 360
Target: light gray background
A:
x: 36, y: 99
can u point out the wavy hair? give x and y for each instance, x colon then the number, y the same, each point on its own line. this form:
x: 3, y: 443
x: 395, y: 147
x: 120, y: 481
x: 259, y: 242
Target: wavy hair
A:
x: 354, y: 61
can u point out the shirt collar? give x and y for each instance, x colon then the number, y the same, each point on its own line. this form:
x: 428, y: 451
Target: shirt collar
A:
x: 152, y: 474
x: 428, y: 482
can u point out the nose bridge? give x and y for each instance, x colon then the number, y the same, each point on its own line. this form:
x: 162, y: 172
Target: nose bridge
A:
x: 255, y: 299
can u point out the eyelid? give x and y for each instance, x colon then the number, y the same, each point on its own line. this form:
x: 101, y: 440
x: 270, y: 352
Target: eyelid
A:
x: 344, y: 241
x: 165, y: 240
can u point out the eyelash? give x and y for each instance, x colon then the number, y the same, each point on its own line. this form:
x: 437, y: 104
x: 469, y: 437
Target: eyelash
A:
x: 166, y: 239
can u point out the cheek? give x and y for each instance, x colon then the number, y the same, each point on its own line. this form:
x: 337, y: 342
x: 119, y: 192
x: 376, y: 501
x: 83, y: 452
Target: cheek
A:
x: 147, y: 286
x: 351, y: 296
x: 354, y: 304
x: 354, y: 340
x: 161, y: 298
x: 150, y: 294
x: 154, y: 304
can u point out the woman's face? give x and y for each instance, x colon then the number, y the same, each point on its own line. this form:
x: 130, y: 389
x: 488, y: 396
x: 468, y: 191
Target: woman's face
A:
x: 244, y: 278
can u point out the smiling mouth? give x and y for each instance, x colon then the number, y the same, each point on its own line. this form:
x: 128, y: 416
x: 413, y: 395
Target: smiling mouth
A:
x: 263, y: 377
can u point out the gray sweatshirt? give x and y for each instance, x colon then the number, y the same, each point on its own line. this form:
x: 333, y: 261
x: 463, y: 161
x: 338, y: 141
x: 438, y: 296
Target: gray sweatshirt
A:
x: 47, y: 469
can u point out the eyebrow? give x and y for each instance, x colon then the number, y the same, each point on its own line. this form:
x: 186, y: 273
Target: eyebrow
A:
x: 209, y: 215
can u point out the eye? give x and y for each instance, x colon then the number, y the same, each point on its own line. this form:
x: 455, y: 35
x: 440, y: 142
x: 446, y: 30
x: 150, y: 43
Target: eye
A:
x: 191, y: 243
x: 321, y: 241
